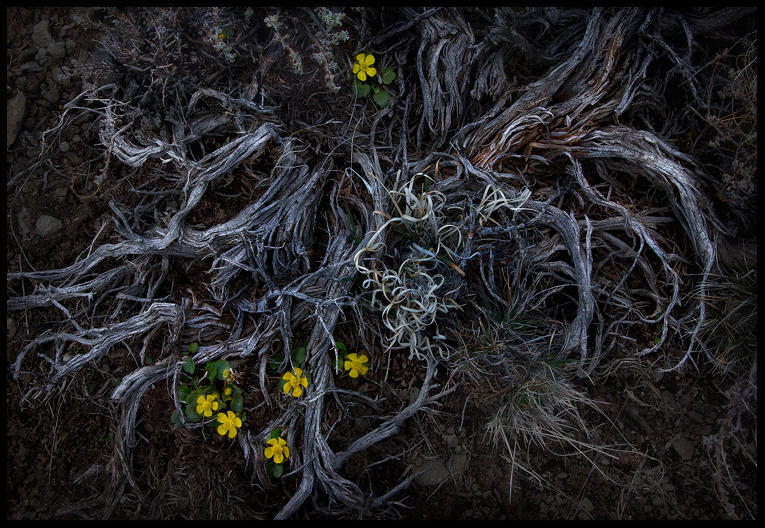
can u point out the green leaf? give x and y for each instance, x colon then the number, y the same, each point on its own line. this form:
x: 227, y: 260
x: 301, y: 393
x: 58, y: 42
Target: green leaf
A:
x: 272, y: 365
x: 298, y: 356
x: 216, y: 368
x: 388, y: 75
x: 361, y: 89
x: 191, y: 414
x: 382, y: 98
x: 193, y: 347
x: 175, y: 419
x: 275, y: 433
x: 275, y: 470
x: 183, y: 391
x: 188, y: 365
x: 341, y: 346
x: 236, y: 403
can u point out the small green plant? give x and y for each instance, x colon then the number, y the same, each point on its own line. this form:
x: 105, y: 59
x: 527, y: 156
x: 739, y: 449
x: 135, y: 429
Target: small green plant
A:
x: 278, y: 451
x: 364, y: 84
x: 293, y: 382
x: 210, y: 391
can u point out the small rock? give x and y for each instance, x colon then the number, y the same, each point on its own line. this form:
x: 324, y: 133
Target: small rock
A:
x: 14, y: 114
x: 41, y: 33
x: 47, y: 226
x: 458, y: 464
x: 50, y: 94
x: 64, y: 146
x: 76, y: 139
x: 683, y: 446
x: 433, y: 473
x: 30, y: 67
x: 57, y: 49
x: 451, y: 440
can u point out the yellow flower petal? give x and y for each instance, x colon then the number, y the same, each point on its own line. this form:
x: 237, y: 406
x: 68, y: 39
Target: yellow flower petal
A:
x: 232, y: 432
x: 371, y: 72
x: 201, y: 399
x: 360, y: 58
x: 369, y: 59
x: 362, y: 76
x: 222, y: 418
x: 222, y: 429
x: 363, y: 358
x: 278, y: 458
x: 238, y: 422
x: 286, y: 451
x: 297, y: 391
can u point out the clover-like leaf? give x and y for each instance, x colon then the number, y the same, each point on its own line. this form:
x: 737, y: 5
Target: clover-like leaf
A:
x: 188, y: 365
x: 388, y: 75
x: 275, y: 470
x: 183, y: 391
x: 382, y: 98
x: 191, y: 414
x: 193, y: 347
x: 361, y: 89
x: 298, y: 356
x: 175, y: 419
x: 236, y: 403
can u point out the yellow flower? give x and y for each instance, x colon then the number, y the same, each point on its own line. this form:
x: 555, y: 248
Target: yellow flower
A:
x: 277, y: 448
x: 229, y: 376
x: 227, y: 391
x: 356, y: 364
x: 229, y: 423
x: 363, y: 66
x: 206, y: 405
x: 294, y: 382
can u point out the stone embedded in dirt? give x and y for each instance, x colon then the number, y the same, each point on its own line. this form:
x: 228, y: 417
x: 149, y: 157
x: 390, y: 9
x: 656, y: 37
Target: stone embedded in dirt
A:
x: 435, y: 471
x: 683, y: 446
x: 14, y: 114
x: 47, y: 226
x: 57, y: 49
x: 41, y: 33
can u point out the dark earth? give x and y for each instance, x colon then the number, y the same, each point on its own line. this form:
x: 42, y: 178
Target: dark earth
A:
x: 56, y: 450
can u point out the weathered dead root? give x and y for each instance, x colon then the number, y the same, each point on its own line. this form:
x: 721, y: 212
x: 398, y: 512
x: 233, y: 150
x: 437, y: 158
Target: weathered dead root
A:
x: 522, y: 213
